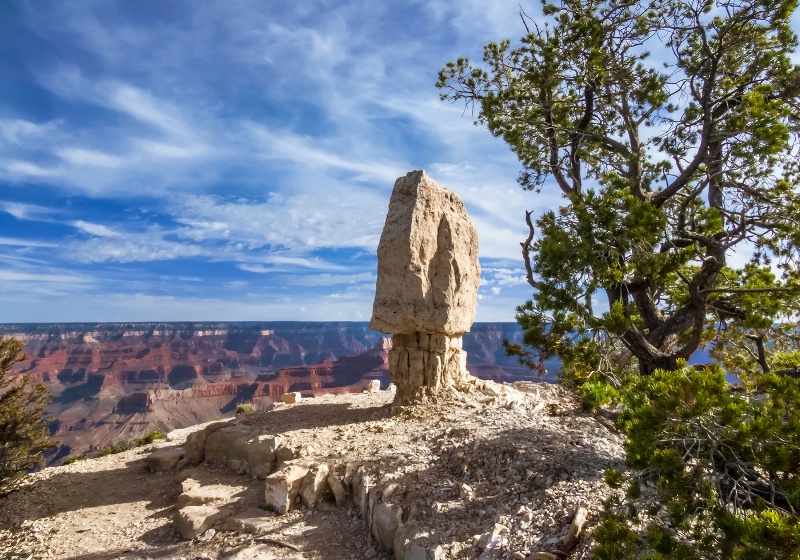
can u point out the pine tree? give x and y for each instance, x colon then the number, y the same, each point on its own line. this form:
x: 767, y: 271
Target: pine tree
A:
x: 23, y: 431
x: 668, y: 165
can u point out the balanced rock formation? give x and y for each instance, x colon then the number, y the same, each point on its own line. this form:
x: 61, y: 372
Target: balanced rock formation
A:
x: 428, y: 276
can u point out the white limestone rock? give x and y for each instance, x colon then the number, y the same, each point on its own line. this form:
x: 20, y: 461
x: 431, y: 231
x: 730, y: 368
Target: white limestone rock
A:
x: 339, y: 489
x: 163, y: 459
x: 259, y: 455
x: 315, y: 485
x: 226, y: 443
x: 282, y: 487
x: 254, y: 521
x: 191, y: 521
x: 428, y: 270
x: 194, y: 494
x: 385, y: 521
x: 195, y: 446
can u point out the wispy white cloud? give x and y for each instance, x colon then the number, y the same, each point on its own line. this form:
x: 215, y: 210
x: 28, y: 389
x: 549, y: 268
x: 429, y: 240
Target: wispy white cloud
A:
x: 92, y: 158
x: 25, y: 211
x: 15, y: 242
x: 96, y: 230
x: 146, y: 247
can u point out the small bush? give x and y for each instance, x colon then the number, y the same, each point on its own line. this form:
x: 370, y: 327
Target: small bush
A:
x: 596, y: 394
x: 149, y: 438
x: 244, y: 407
x: 724, y: 464
x: 116, y: 448
x: 75, y: 459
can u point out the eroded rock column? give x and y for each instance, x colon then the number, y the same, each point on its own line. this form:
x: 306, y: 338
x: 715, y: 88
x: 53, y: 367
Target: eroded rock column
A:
x: 428, y: 275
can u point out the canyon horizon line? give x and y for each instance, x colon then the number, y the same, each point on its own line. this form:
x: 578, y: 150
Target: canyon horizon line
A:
x: 113, y: 382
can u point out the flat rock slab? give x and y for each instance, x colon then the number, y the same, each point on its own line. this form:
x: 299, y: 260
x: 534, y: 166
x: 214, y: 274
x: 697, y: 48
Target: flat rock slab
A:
x: 191, y: 521
x: 263, y: 552
x: 163, y: 459
x: 195, y: 495
x: 254, y: 521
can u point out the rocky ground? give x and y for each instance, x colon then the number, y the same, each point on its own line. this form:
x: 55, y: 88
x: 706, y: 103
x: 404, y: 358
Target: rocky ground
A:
x: 463, y: 467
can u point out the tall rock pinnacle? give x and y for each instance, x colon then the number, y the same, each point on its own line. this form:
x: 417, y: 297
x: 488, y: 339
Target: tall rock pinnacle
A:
x: 428, y: 276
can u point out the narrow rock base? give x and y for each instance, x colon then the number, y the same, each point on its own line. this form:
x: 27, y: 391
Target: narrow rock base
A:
x: 424, y: 365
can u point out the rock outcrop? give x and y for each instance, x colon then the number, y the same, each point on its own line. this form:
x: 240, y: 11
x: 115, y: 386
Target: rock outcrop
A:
x: 428, y: 276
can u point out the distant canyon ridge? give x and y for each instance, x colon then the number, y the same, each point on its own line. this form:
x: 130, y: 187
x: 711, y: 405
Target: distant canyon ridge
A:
x: 112, y: 382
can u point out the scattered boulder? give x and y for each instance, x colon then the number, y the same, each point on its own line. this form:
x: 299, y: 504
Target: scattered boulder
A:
x: 195, y: 446
x: 575, y: 528
x: 194, y: 494
x: 283, y: 455
x: 340, y: 492
x: 385, y: 521
x: 315, y: 485
x: 283, y: 486
x: 291, y: 398
x: 163, y: 459
x: 191, y: 521
x: 259, y: 455
x: 254, y: 521
x: 226, y: 444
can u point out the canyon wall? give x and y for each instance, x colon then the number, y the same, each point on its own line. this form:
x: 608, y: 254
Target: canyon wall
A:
x: 112, y: 382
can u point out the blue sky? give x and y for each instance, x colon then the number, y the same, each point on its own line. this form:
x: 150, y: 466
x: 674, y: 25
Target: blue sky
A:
x: 233, y: 160
x: 218, y: 160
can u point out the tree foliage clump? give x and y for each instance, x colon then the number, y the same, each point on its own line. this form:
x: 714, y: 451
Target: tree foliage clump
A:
x: 23, y: 431
x: 668, y: 163
x: 671, y: 131
x: 725, y: 465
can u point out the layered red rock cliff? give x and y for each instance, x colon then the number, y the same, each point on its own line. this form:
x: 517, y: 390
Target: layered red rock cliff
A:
x: 116, y: 381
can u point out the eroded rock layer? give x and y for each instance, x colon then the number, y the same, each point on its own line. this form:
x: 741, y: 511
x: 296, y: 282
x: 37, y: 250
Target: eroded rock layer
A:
x: 427, y: 287
x: 428, y: 270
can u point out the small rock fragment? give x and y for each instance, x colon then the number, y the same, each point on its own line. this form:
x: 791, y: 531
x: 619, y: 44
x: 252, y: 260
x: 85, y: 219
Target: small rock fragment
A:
x: 315, y: 485
x: 576, y: 528
x: 542, y: 556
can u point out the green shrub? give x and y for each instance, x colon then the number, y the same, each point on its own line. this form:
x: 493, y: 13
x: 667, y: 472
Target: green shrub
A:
x: 149, y: 438
x: 596, y: 394
x: 75, y: 459
x: 244, y: 407
x: 724, y: 463
x: 116, y: 448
